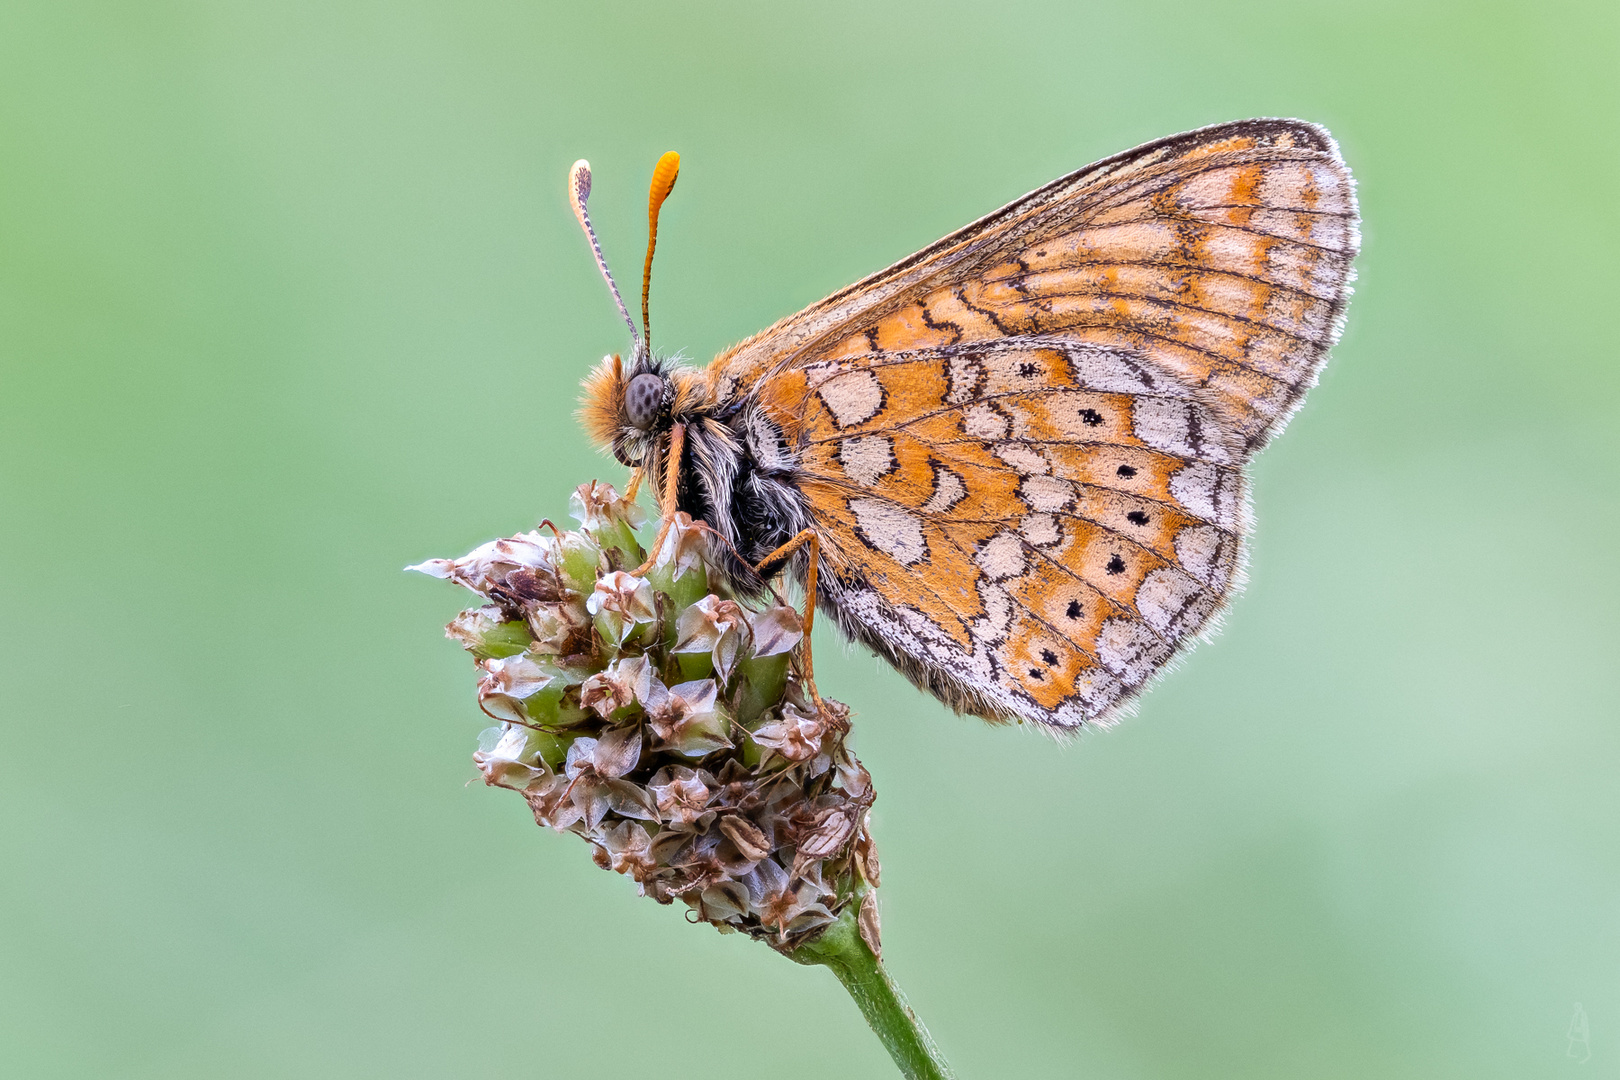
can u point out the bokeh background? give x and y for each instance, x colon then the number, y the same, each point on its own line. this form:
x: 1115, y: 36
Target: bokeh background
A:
x: 290, y: 297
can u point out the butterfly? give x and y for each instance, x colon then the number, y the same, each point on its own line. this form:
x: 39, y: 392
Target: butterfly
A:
x: 1013, y: 463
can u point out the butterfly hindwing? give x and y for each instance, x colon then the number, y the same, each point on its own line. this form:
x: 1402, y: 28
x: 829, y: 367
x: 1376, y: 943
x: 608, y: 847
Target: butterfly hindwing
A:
x: 1037, y: 525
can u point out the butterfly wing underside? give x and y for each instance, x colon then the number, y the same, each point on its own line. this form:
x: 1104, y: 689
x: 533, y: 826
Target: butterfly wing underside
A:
x: 1024, y: 446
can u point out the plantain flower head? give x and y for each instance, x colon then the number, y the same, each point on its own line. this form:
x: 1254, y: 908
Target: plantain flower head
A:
x: 664, y: 722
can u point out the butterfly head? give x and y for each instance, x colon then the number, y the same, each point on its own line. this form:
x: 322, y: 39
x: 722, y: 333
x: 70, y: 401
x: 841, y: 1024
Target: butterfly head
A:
x: 626, y: 408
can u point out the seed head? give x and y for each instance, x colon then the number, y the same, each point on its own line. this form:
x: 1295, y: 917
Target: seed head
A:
x: 664, y: 721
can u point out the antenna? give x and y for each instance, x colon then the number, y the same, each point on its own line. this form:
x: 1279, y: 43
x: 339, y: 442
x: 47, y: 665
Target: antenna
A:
x: 663, y: 182
x: 579, y: 189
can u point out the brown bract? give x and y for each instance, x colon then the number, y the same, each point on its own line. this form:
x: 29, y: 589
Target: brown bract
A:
x: 685, y: 546
x: 718, y: 627
x: 621, y: 602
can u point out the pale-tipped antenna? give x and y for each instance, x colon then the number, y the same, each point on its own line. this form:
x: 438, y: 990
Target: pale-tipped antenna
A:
x: 663, y: 182
x: 579, y: 189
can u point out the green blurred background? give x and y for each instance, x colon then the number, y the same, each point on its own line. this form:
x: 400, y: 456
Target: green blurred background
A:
x: 290, y: 297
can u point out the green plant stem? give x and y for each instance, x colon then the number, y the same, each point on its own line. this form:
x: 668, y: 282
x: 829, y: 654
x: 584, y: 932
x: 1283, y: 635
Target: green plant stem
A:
x: 879, y: 1000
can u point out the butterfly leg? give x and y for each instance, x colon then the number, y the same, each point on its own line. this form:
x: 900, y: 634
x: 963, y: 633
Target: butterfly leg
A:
x: 667, y: 497
x: 771, y: 565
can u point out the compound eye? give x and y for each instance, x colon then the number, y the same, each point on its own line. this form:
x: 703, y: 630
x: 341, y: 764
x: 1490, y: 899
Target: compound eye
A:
x: 643, y: 400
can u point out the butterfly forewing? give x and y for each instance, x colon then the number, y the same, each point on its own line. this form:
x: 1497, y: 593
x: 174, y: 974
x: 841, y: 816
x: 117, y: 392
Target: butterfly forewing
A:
x: 1023, y: 447
x: 1176, y: 267
x: 1227, y: 250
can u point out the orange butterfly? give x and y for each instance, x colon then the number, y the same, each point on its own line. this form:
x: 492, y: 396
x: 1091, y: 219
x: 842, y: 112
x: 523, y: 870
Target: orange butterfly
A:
x: 1012, y: 463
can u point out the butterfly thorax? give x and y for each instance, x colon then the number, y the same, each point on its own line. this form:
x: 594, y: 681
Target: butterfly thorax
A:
x: 738, y: 472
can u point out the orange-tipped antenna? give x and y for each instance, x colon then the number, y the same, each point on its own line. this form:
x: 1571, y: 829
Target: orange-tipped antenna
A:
x: 663, y: 182
x: 579, y: 189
